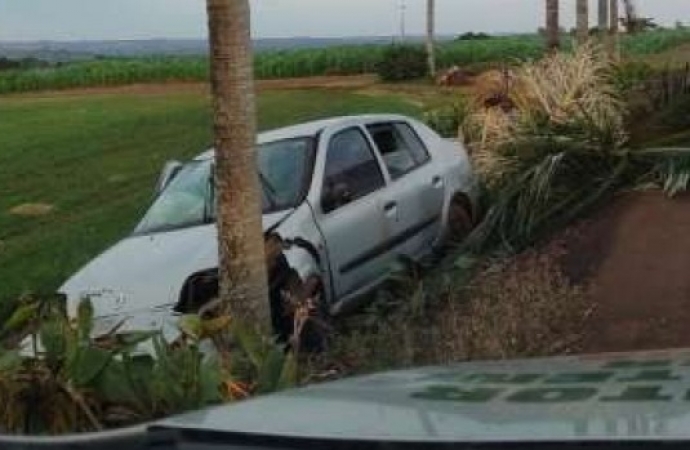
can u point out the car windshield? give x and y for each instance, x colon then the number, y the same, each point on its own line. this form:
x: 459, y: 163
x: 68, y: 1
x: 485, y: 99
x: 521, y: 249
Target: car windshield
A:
x: 189, y: 199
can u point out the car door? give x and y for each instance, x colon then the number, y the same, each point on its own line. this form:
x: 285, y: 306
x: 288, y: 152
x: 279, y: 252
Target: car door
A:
x: 416, y: 186
x: 354, y: 212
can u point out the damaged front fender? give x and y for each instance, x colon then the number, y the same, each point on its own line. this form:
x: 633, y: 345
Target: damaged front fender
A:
x: 299, y: 240
x: 294, y: 248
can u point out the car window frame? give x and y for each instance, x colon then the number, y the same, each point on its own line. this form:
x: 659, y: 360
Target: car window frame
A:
x: 381, y: 156
x: 374, y: 155
x: 309, y: 170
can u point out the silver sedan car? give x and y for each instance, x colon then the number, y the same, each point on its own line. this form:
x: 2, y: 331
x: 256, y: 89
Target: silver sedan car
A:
x: 343, y: 198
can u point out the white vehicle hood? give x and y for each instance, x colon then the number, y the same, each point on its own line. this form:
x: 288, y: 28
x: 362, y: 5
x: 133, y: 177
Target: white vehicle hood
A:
x: 608, y: 401
x: 144, y: 273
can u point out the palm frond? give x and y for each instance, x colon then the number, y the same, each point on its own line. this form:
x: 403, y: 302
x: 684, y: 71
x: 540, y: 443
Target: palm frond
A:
x: 667, y: 167
x: 567, y: 98
x: 551, y: 192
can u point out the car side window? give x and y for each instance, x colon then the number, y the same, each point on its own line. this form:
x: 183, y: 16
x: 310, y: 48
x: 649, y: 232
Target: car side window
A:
x: 414, y: 143
x: 352, y: 170
x: 400, y: 147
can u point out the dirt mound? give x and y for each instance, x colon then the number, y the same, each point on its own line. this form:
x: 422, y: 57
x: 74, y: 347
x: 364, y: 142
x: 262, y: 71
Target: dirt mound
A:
x: 635, y: 254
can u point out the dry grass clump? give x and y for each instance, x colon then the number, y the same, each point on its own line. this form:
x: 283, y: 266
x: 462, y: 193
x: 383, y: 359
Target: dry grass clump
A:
x: 565, y: 96
x: 527, y: 308
x: 32, y: 209
x: 519, y: 308
x: 570, y: 87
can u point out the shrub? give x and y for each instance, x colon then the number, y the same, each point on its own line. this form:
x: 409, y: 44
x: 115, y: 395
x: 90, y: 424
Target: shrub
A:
x: 564, y: 98
x: 660, y: 105
x: 553, y: 146
x: 629, y: 75
x: 676, y: 116
x: 470, y: 36
x: 402, y: 62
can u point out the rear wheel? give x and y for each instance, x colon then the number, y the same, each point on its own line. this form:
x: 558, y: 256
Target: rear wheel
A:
x: 461, y: 220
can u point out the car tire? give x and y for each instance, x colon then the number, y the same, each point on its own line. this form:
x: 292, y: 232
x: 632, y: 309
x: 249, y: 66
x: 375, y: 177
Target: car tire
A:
x: 461, y: 220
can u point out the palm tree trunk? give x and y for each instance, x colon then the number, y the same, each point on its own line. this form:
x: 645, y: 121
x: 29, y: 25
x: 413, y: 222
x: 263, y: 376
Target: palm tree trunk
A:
x: 430, y: 36
x: 603, y: 19
x: 582, y: 21
x: 613, y: 42
x: 553, y: 37
x: 242, y: 270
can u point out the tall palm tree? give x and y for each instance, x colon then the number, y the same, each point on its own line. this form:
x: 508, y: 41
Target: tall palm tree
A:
x: 553, y: 37
x: 603, y: 18
x: 613, y: 43
x: 582, y: 21
x: 430, y: 36
x: 243, y: 286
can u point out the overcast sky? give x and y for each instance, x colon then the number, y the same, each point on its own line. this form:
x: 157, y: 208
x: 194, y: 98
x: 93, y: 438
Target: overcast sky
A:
x: 142, y: 19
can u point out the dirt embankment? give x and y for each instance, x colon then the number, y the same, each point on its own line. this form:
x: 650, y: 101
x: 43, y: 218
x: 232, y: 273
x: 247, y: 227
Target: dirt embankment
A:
x: 635, y: 254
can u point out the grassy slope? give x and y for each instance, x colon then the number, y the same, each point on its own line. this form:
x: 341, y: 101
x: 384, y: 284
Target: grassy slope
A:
x: 95, y: 159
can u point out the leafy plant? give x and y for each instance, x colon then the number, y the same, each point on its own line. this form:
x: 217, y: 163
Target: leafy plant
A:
x: 143, y: 387
x: 446, y: 120
x: 63, y: 380
x: 52, y: 391
x: 267, y: 367
x: 668, y: 168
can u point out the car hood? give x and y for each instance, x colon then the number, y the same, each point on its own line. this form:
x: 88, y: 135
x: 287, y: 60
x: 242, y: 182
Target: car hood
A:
x: 147, y: 271
x: 614, y: 397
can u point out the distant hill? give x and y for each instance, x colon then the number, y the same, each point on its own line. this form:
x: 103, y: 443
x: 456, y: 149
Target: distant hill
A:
x: 55, y: 51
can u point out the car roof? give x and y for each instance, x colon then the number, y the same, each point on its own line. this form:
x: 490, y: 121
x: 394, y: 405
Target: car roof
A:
x: 314, y: 127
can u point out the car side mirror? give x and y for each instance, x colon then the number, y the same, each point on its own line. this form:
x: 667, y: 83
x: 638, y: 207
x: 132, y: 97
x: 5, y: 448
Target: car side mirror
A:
x: 170, y: 169
x: 335, y: 196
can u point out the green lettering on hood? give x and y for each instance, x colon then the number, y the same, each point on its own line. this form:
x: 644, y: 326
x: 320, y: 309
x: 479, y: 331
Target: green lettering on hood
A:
x: 502, y: 378
x: 456, y: 394
x: 582, y: 377
x: 632, y: 364
x: 553, y: 395
x: 639, y: 394
x: 651, y: 375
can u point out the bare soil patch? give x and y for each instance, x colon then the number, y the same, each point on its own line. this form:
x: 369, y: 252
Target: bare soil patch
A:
x: 32, y: 209
x: 635, y: 255
x: 325, y: 82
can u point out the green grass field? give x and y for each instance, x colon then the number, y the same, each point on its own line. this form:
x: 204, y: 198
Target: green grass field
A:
x: 94, y: 158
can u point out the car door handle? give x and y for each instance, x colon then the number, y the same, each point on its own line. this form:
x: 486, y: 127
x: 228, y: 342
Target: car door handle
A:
x: 390, y: 206
x: 437, y: 181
